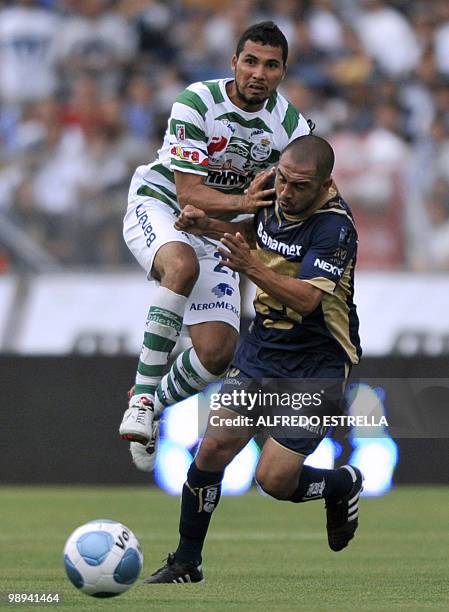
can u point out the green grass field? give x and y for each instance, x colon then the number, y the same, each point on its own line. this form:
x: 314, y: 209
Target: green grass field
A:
x: 260, y: 553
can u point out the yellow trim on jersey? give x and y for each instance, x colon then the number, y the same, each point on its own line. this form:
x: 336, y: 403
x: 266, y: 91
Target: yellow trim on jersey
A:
x: 278, y: 263
x: 264, y: 303
x: 336, y: 314
x: 284, y: 325
x: 289, y: 450
x: 339, y: 211
x: 322, y: 283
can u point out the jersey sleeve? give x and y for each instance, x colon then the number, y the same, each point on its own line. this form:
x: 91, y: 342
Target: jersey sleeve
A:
x: 294, y: 124
x: 333, y: 246
x: 187, y: 133
x: 302, y: 129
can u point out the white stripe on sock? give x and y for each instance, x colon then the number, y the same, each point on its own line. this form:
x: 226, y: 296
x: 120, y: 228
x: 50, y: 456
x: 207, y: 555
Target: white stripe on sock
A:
x: 207, y: 376
x: 151, y: 357
x: 152, y: 381
x: 169, y: 300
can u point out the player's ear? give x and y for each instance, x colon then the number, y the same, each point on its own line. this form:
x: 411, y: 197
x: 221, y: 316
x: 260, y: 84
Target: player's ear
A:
x: 327, y: 183
x: 234, y: 62
x: 284, y: 72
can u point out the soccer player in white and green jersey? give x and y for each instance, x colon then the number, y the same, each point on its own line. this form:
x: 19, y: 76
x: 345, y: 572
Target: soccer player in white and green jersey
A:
x: 220, y: 134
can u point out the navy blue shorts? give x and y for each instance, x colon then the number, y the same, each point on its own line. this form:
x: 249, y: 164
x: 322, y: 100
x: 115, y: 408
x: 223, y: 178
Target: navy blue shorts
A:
x: 295, y: 411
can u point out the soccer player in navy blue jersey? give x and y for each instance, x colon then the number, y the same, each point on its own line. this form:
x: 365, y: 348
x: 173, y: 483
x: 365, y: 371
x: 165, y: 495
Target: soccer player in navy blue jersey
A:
x: 301, y: 254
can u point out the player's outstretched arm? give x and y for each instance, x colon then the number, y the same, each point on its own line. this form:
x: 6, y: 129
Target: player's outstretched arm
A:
x: 302, y: 297
x: 191, y: 191
x: 195, y: 221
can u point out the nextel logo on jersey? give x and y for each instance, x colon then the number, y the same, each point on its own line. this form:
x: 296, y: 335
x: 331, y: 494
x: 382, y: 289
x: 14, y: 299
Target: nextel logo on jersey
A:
x: 222, y: 289
x: 277, y: 245
x: 145, y: 223
x: 327, y: 267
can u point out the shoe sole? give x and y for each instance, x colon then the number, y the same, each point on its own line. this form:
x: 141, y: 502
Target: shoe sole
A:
x: 135, y: 437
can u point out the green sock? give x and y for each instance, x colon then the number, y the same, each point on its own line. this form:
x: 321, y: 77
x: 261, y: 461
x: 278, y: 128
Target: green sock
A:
x: 186, y: 377
x: 162, y: 329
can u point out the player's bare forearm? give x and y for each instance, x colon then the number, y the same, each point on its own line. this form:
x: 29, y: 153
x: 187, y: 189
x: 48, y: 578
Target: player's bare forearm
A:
x: 210, y: 200
x: 192, y: 191
x: 297, y: 294
x: 217, y: 229
x: 195, y: 221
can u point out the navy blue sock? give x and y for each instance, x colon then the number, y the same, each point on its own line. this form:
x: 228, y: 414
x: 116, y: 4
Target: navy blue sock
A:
x: 200, y: 496
x: 315, y: 484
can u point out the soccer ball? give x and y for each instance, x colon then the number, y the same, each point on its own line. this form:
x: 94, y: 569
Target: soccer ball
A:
x: 103, y: 558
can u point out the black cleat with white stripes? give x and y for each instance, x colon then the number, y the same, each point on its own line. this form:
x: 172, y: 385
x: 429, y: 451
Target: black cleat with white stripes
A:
x: 342, y: 514
x: 178, y: 572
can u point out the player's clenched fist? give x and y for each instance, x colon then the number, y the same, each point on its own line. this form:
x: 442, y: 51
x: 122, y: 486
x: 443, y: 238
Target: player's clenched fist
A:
x: 192, y: 220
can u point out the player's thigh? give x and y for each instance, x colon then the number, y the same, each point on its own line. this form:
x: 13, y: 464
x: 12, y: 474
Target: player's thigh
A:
x: 222, y: 441
x: 147, y: 228
x: 216, y: 295
x: 278, y: 469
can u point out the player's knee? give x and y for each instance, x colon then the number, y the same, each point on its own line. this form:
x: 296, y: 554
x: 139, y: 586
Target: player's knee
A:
x: 213, y: 360
x: 181, y: 273
x: 216, y: 353
x: 273, y: 483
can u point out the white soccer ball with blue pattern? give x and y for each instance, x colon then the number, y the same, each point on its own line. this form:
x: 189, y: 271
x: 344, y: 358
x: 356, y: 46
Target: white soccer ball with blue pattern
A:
x: 103, y: 558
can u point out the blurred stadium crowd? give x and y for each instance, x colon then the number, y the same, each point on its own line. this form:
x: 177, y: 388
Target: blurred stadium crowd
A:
x: 86, y: 87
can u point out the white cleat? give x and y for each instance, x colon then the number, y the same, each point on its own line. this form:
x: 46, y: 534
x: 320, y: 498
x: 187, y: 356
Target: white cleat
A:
x: 137, y: 423
x: 144, y: 457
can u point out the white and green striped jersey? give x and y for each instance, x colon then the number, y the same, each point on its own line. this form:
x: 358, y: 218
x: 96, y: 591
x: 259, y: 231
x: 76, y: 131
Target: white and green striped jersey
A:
x: 210, y: 136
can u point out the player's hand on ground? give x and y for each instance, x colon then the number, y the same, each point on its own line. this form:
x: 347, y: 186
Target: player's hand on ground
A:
x: 237, y: 254
x: 258, y: 195
x: 192, y: 220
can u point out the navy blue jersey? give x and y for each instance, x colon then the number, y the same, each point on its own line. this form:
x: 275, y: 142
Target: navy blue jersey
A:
x: 321, y: 250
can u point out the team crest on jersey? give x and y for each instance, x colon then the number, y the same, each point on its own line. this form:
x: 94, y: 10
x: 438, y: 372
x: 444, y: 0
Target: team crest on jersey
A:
x: 180, y: 131
x: 260, y: 151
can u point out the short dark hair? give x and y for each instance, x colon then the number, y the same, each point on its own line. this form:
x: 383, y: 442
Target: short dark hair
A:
x: 315, y: 149
x: 265, y: 33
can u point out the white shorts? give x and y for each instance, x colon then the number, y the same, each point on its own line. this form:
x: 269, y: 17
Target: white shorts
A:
x: 148, y: 225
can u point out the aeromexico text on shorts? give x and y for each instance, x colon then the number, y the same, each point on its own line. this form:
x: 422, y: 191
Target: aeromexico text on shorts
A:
x: 220, y: 305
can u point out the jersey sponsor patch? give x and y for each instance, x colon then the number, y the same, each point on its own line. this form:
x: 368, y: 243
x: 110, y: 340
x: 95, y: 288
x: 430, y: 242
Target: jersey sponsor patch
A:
x: 222, y: 289
x: 188, y: 154
x: 180, y: 131
x: 217, y: 145
x: 346, y: 234
x: 277, y: 245
x: 327, y: 267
